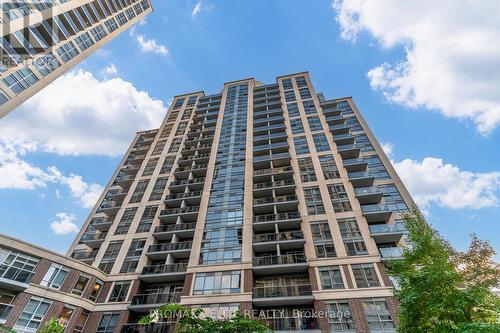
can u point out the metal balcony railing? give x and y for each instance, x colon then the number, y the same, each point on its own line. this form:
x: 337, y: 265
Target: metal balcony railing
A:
x: 183, y: 195
x: 286, y: 259
x: 276, y: 217
x: 278, y: 237
x: 278, y: 199
x: 278, y: 183
x: 183, y: 210
x: 272, y: 171
x: 152, y: 299
x: 175, y: 227
x: 170, y: 247
x: 163, y: 269
x: 282, y: 291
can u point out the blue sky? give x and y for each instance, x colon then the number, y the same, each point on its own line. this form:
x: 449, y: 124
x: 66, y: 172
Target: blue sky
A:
x: 439, y: 122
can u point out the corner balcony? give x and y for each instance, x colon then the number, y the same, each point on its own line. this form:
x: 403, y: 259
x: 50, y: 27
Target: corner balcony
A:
x: 147, y: 302
x: 376, y: 212
x: 161, y: 251
x: 355, y: 164
x: 191, y: 198
x: 343, y: 139
x: 131, y: 169
x: 368, y: 195
x: 335, y: 119
x: 283, y: 295
x: 349, y: 151
x: 85, y: 256
x: 287, y: 240
x: 166, y: 272
x: 388, y: 233
x: 110, y: 209
x: 193, y: 184
x: 93, y: 240
x: 287, y: 220
x: 14, y: 278
x: 188, y: 214
x: 277, y: 264
x: 166, y: 232
x: 340, y: 129
x: 361, y: 179
x: 135, y: 160
x: 118, y: 196
x: 391, y: 253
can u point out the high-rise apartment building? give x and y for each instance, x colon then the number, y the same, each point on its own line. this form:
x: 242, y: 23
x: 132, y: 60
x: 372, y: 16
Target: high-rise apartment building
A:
x: 264, y: 198
x: 42, y: 39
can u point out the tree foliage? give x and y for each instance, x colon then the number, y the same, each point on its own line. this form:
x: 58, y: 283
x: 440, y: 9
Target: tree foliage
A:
x: 442, y: 290
x: 52, y: 326
x: 189, y: 320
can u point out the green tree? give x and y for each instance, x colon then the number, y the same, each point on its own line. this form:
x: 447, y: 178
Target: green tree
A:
x: 52, y: 326
x: 189, y: 321
x: 442, y: 290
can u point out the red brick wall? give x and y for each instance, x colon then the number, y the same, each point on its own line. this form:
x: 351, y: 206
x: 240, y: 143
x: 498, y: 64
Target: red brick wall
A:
x: 53, y: 312
x: 247, y: 280
x: 358, y: 315
x: 40, y: 270
x: 19, y: 304
x: 70, y: 281
x: 320, y: 308
x: 392, y: 303
x: 92, y: 322
x: 123, y: 319
x: 104, y: 292
x: 246, y: 308
x: 187, y: 284
x: 312, y: 278
x: 385, y: 277
x: 73, y: 319
x: 134, y: 289
x: 347, y: 274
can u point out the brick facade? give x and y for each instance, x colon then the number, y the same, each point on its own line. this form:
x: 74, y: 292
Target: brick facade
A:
x: 19, y: 304
x: 247, y: 280
x: 320, y: 308
x: 186, y: 289
x: 41, y: 270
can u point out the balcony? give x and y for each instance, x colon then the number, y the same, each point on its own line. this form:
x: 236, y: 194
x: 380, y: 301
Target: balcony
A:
x: 202, y: 149
x: 282, y: 203
x: 14, y: 278
x: 343, y: 139
x: 361, y: 179
x: 287, y: 240
x: 191, y: 198
x: 146, y: 302
x: 200, y: 158
x: 388, y: 233
x: 264, y: 113
x: 110, y: 209
x: 275, y: 147
x: 283, y: 295
x: 189, y: 213
x: 368, y: 195
x: 178, y: 250
x: 103, y: 225
x: 266, y: 137
x: 340, y: 129
x: 349, y: 151
x: 135, y: 160
x: 151, y: 328
x: 166, y: 232
x: 283, y: 220
x: 274, y: 264
x: 283, y: 157
x: 93, y: 240
x: 335, y: 120
x: 391, y: 253
x: 196, y: 170
x: 283, y: 172
x: 273, y: 119
x: 291, y: 324
x: 125, y: 181
x: 376, y: 212
x: 130, y: 169
x: 276, y: 128
x: 194, y: 184
x: 85, y: 256
x: 280, y: 186
x: 355, y: 164
x: 160, y: 273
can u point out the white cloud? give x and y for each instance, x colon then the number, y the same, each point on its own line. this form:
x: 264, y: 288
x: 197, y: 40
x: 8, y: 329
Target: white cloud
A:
x: 16, y: 173
x: 80, y: 114
x: 148, y: 45
x: 64, y: 224
x: 452, y: 61
x: 110, y: 70
x: 432, y: 181
x: 196, y: 9
x: 388, y: 148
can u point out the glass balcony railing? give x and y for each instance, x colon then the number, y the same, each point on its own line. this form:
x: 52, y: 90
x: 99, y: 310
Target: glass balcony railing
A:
x: 354, y: 161
x: 399, y: 227
x: 367, y: 190
x: 278, y: 199
x: 283, y: 144
x: 272, y: 171
x: 84, y: 255
x: 282, y: 291
x: 391, y: 252
x: 183, y: 210
x: 175, y: 227
x: 278, y: 237
x: 95, y: 236
x: 286, y: 259
x: 278, y: 183
x: 375, y: 208
x: 358, y: 175
x: 164, y: 269
x: 271, y: 157
x: 270, y: 136
x: 276, y: 217
x: 170, y: 247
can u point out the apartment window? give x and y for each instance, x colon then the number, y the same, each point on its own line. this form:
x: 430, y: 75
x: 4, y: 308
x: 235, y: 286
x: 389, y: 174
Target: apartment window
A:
x: 181, y: 129
x: 175, y: 145
x: 293, y: 110
x: 179, y: 102
x: 376, y: 167
x: 3, y: 97
x: 167, y: 165
x: 192, y: 100
x: 187, y: 114
x: 305, y: 93
x: 32, y: 315
x: 365, y: 276
x: 296, y: 125
x: 81, y: 321
x: 121, y: 18
x: 133, y: 255
x: 290, y: 96
x: 84, y: 41
x: 306, y: 168
x: 108, y: 323
x: 139, y: 191
x: 119, y: 291
x: 320, y: 142
x: 217, y: 283
x: 301, y: 145
x: 301, y: 81
x: 172, y: 117
x: 67, y: 52
x: 126, y: 221
x: 363, y: 142
x: 351, y: 235
x: 81, y: 284
x: 111, y: 25
x: 315, y: 124
x: 130, y: 13
x: 309, y: 107
x: 147, y: 219
x: 166, y: 130
x: 393, y: 198
x: 55, y: 276
x: 353, y: 124
x: 340, y: 317
x: 314, y: 202
x: 378, y: 316
x: 46, y: 64
x: 329, y: 167
x: 331, y: 278
x: 96, y: 290
x: 287, y: 84
x: 322, y: 239
x: 150, y: 167
x: 20, y: 80
x: 340, y: 201
x: 66, y: 314
x: 159, y: 147
x: 98, y: 33
x: 158, y: 189
x: 6, y: 303
x: 16, y: 266
x: 110, y: 256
